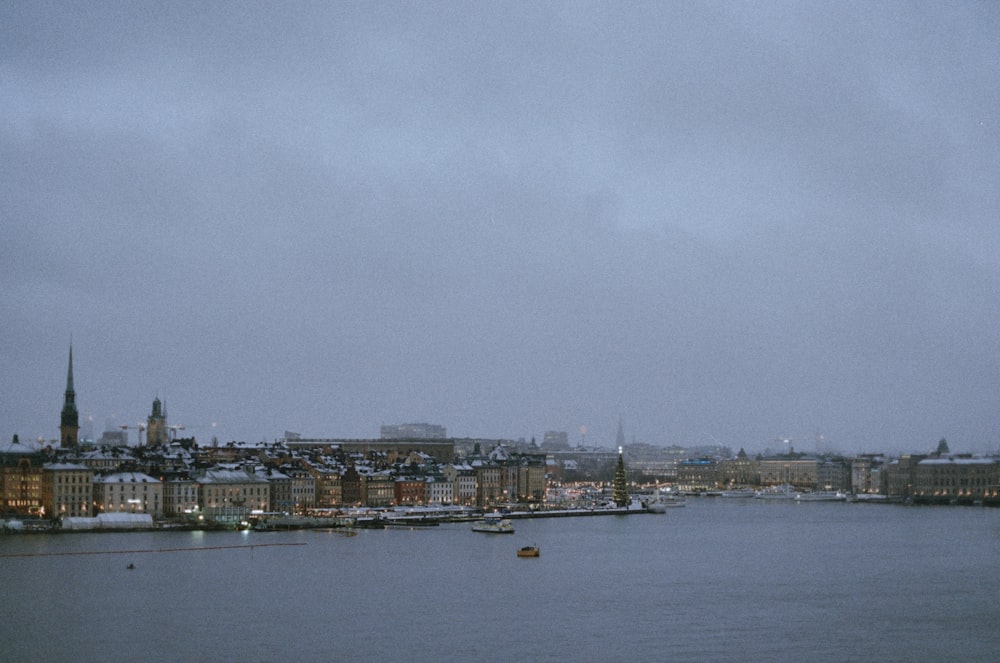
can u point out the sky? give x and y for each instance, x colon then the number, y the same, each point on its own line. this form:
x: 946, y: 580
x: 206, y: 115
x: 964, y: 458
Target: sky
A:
x: 720, y: 223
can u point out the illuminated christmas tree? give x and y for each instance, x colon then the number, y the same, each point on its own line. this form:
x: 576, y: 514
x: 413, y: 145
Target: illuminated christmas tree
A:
x: 620, y: 492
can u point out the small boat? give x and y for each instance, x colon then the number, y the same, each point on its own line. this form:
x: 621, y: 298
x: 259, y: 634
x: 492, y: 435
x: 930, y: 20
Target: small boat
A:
x: 822, y: 496
x: 494, y: 524
x: 529, y: 551
x: 783, y: 492
x: 740, y: 493
x: 130, y: 566
x: 661, y: 503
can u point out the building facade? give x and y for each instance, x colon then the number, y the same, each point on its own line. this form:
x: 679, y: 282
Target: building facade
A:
x: 128, y: 492
x: 67, y: 490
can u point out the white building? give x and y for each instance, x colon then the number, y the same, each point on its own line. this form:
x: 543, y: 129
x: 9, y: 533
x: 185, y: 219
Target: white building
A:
x: 128, y: 492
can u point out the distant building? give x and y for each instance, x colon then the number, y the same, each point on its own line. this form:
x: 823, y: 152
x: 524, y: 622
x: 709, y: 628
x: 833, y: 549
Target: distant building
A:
x: 20, y: 479
x: 67, y: 489
x: 555, y: 441
x: 180, y: 495
x: 113, y: 438
x: 833, y: 474
x: 156, y: 425
x: 957, y: 479
x: 413, y: 432
x: 128, y: 492
x: 791, y: 469
x: 230, y: 495
x: 442, y: 450
x: 698, y: 474
x: 741, y: 471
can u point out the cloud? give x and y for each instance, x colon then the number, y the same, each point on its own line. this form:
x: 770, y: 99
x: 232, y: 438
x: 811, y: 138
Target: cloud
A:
x: 721, y: 224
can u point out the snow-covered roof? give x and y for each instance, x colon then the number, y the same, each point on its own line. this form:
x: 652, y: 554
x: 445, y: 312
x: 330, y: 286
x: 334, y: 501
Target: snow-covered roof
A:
x: 958, y: 461
x: 65, y: 466
x: 229, y: 476
x: 126, y: 477
x: 20, y: 447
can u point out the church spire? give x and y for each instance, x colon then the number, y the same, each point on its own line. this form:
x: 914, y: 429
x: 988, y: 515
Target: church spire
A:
x: 69, y: 428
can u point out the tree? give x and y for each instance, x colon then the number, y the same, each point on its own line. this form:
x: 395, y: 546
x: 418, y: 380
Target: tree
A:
x: 620, y: 485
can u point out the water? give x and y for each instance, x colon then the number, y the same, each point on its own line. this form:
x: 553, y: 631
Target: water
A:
x: 720, y: 580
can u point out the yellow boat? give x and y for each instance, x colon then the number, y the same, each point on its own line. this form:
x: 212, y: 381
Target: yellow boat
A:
x: 529, y: 551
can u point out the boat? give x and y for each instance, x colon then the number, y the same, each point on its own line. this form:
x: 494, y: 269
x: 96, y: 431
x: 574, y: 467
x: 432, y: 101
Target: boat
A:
x: 660, y: 504
x: 783, y: 492
x: 529, y: 551
x: 494, y: 524
x: 822, y: 496
x: 740, y: 493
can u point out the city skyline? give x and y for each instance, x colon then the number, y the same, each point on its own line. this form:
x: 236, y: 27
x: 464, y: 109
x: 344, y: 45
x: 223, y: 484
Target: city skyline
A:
x: 723, y: 223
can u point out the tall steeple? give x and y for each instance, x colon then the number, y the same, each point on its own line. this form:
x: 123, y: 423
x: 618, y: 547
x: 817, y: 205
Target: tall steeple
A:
x: 69, y: 428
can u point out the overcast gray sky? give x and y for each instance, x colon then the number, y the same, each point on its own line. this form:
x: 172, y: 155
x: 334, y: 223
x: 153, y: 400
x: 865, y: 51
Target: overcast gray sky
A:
x: 721, y: 222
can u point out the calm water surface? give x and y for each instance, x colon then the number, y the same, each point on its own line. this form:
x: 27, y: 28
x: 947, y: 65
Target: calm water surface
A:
x: 719, y: 580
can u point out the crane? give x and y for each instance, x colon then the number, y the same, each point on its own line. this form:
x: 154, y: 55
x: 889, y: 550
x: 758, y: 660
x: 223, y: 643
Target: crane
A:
x: 138, y: 427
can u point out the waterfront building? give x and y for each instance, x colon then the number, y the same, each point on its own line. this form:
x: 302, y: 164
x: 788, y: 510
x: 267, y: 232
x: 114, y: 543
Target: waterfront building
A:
x: 899, y: 475
x: 413, y: 432
x: 303, y: 488
x: 231, y: 494
x: 409, y: 490
x: 833, y: 474
x: 378, y: 488
x: 867, y: 475
x: 739, y: 471
x: 463, y: 482
x: 791, y: 469
x: 350, y: 484
x: 489, y: 482
x: 128, y: 492
x: 328, y: 486
x: 20, y: 478
x: 67, y: 490
x: 957, y: 478
x: 509, y: 465
x: 156, y: 425
x: 69, y: 426
x: 531, y: 480
x: 439, y: 490
x: 698, y: 474
x: 280, y: 498
x: 180, y: 495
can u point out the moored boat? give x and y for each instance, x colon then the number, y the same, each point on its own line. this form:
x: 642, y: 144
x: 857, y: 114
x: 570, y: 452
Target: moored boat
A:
x: 529, y: 551
x: 494, y: 524
x: 740, y: 493
x: 822, y: 496
x: 660, y: 504
x: 784, y: 492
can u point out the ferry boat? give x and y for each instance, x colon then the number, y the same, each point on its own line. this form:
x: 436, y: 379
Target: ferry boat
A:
x: 494, y: 524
